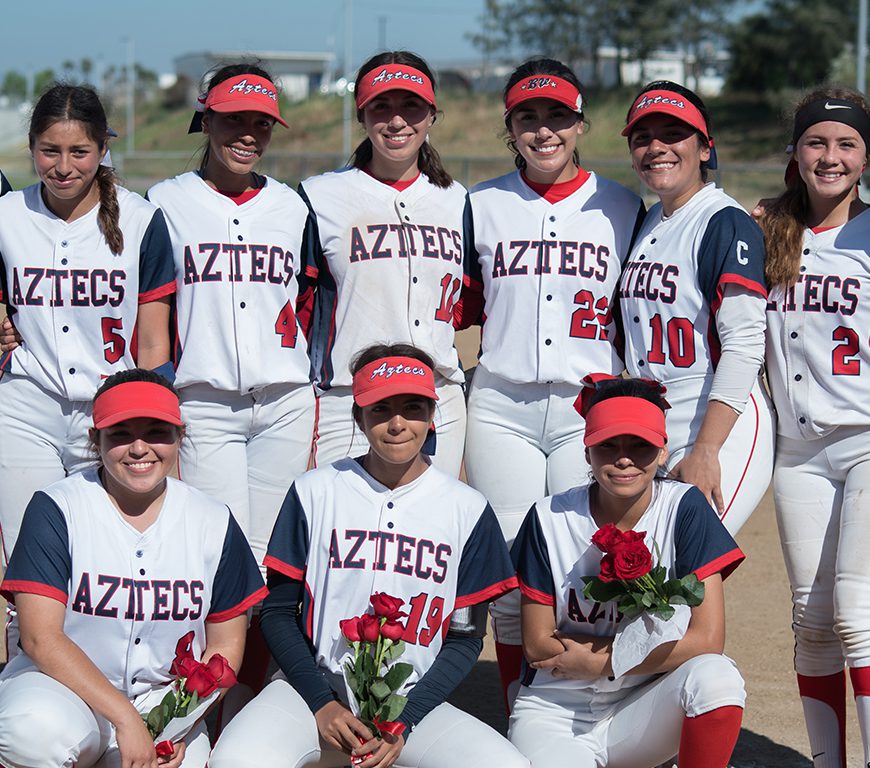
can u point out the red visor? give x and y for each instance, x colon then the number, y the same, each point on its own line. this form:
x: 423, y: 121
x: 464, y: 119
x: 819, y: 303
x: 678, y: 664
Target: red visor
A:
x: 136, y: 399
x: 394, y: 77
x: 667, y: 103
x: 624, y: 416
x: 390, y: 376
x: 245, y: 93
x: 544, y: 87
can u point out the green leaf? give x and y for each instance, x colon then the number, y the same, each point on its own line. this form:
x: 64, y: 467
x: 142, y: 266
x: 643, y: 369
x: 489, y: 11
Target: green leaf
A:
x: 647, y: 599
x: 678, y: 600
x: 693, y: 589
x: 194, y: 700
x: 393, y: 707
x: 602, y: 591
x: 630, y: 611
x: 397, y: 675
x: 394, y: 651
x: 665, y: 611
x: 155, y: 720
x: 379, y: 689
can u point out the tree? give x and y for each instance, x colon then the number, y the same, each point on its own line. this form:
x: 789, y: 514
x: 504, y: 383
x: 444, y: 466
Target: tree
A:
x: 14, y: 85
x: 791, y: 45
x: 42, y: 81
x: 86, y: 66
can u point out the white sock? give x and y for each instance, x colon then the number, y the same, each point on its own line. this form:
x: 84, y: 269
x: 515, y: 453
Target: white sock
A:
x: 824, y: 733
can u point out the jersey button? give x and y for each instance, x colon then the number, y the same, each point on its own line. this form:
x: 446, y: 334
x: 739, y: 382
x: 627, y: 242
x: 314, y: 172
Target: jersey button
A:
x: 641, y: 257
x: 65, y: 329
x: 549, y: 297
x: 389, y: 525
x: 64, y: 244
x: 64, y: 261
x: 636, y: 319
x: 72, y: 370
x: 407, y: 218
x: 133, y: 680
x: 652, y: 241
x: 794, y: 334
x: 803, y: 269
x: 413, y: 279
x: 552, y: 234
x: 552, y: 218
x: 401, y: 205
x: 242, y: 305
x: 802, y: 420
x: 390, y: 505
x: 139, y: 553
x: 235, y: 221
x: 141, y: 571
x: 806, y: 251
x: 798, y: 377
x: 416, y: 322
x: 240, y: 237
x: 548, y: 342
x: 641, y: 363
x: 137, y: 641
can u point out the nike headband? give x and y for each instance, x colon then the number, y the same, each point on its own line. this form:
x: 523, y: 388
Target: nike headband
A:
x: 831, y: 110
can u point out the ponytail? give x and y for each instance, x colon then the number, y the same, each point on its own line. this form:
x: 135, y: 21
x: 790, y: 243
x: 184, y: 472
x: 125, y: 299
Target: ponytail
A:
x: 109, y: 214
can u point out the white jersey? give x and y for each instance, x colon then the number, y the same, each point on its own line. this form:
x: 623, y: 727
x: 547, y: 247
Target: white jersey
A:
x: 548, y: 274
x: 672, y: 285
x: 434, y: 543
x: 75, y: 302
x: 237, y: 268
x: 554, y: 551
x: 389, y: 266
x: 131, y: 595
x: 818, y: 358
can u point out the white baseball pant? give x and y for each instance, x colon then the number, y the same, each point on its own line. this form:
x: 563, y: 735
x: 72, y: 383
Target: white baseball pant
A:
x: 822, y: 495
x: 338, y: 436
x: 278, y: 730
x: 43, y: 724
x: 568, y: 727
x: 746, y: 458
x: 246, y: 450
x: 524, y: 442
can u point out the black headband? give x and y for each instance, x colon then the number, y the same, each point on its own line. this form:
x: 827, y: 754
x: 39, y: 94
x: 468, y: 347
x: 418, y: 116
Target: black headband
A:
x: 836, y: 110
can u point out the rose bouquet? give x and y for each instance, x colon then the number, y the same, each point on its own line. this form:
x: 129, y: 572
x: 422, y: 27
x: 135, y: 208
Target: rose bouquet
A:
x: 191, y: 693
x: 374, y: 677
x: 628, y: 577
x: 656, y: 607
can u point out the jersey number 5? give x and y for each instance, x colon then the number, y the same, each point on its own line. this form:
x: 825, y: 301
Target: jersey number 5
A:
x: 285, y: 326
x: 114, y: 343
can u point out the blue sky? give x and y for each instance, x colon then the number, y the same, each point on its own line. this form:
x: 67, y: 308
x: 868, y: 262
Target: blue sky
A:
x: 38, y: 34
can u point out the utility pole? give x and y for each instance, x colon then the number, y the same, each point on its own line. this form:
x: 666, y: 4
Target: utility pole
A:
x: 131, y: 95
x: 861, y: 48
x: 348, y: 75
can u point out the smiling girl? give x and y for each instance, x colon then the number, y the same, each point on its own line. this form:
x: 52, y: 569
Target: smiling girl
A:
x: 549, y: 238
x: 685, y: 694
x: 692, y: 301
x: 387, y: 254
x: 113, y: 566
x: 86, y: 271
x: 817, y: 233
x: 387, y: 521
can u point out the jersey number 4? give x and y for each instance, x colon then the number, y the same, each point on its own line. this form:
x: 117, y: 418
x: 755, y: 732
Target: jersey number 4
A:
x: 285, y: 326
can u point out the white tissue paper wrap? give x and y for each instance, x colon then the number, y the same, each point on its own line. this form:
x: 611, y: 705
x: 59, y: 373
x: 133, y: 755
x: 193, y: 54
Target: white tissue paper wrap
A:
x: 636, y: 638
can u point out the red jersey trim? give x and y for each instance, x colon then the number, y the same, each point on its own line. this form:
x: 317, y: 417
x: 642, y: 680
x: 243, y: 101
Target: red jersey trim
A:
x: 731, y: 279
x: 489, y: 593
x: 536, y: 595
x: 9, y: 587
x: 157, y: 293
x: 275, y: 564
x: 723, y: 564
x: 311, y: 270
x: 237, y: 610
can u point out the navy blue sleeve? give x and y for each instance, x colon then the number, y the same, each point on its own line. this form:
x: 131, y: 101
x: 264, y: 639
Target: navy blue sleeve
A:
x: 485, y: 570
x: 41, y: 562
x: 237, y: 584
x: 703, y: 546
x: 731, y: 252
x: 5, y: 186
x: 451, y: 666
x: 288, y: 547
x: 638, y: 223
x: 156, y: 262
x: 280, y: 621
x: 532, y: 561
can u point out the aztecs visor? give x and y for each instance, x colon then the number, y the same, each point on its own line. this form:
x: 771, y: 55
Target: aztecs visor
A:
x: 134, y: 400
x: 390, y: 376
x: 625, y: 416
x: 544, y: 87
x: 242, y: 93
x: 676, y: 105
x: 394, y: 77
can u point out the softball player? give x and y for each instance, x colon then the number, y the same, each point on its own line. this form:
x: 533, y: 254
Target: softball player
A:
x: 386, y: 251
x: 113, y: 566
x: 385, y: 522
x: 685, y: 694
x: 82, y: 262
x: 242, y: 363
x: 549, y: 239
x: 692, y: 298
x: 816, y: 235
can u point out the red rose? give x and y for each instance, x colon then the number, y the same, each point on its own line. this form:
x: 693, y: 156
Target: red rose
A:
x: 607, y: 538
x: 164, y: 749
x: 369, y: 627
x: 350, y: 629
x: 221, y: 671
x: 629, y: 537
x: 392, y: 630
x: 387, y: 606
x: 607, y: 572
x: 632, y: 561
x: 201, y: 681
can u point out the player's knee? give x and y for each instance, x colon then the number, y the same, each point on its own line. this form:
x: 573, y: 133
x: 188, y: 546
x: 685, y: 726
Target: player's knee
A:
x: 818, y: 649
x: 710, y: 681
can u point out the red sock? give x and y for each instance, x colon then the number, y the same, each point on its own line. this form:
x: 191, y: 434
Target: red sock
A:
x: 510, y: 664
x: 708, y: 740
x: 255, y: 662
x: 860, y: 677
x: 831, y: 691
